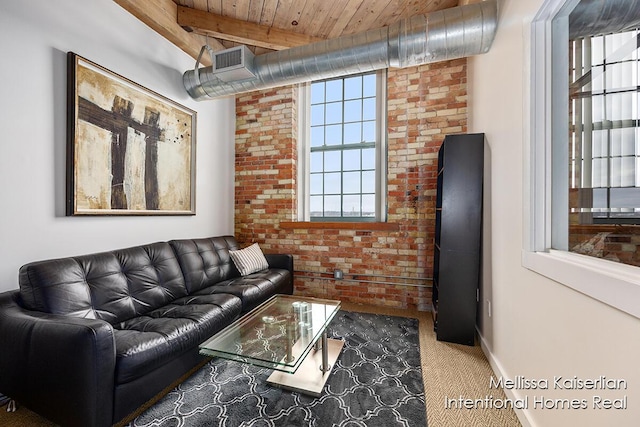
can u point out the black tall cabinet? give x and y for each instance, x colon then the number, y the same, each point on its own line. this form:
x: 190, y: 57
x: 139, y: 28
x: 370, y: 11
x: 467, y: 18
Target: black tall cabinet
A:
x: 458, y: 234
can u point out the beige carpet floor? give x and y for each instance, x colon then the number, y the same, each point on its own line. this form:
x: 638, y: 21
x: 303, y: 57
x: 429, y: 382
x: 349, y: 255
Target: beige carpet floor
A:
x: 449, y: 371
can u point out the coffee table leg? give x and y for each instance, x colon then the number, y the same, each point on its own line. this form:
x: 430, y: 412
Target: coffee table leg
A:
x: 325, y: 354
x: 290, y: 334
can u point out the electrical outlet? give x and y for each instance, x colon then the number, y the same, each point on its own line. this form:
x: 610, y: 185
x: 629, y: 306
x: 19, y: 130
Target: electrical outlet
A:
x: 489, y: 308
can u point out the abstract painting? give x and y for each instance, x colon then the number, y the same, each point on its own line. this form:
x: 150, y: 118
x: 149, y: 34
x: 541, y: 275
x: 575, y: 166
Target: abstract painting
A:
x: 131, y: 151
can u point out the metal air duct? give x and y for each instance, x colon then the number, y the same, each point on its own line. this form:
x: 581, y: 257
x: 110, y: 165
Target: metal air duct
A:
x: 596, y: 17
x: 439, y: 36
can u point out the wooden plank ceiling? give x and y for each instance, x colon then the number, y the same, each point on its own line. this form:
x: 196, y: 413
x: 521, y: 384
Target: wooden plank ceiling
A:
x: 266, y: 25
x: 278, y: 24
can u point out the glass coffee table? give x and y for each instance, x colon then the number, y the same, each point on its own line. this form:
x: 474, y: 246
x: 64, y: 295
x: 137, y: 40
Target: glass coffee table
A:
x: 287, y: 334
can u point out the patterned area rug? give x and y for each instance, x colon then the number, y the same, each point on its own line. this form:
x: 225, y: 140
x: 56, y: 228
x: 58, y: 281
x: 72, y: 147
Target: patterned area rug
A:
x: 377, y: 381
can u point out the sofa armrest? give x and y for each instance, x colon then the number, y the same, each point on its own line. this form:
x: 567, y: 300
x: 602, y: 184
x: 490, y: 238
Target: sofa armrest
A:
x: 283, y: 261
x: 59, y: 366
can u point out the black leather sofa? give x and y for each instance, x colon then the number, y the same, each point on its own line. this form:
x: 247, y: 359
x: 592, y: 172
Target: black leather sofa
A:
x: 86, y: 340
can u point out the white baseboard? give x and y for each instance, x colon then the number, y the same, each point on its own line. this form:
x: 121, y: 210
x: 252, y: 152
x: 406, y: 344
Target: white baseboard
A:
x: 522, y: 414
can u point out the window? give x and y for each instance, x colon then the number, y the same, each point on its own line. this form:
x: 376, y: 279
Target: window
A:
x: 605, y: 146
x: 605, y: 135
x: 343, y: 145
x: 583, y: 147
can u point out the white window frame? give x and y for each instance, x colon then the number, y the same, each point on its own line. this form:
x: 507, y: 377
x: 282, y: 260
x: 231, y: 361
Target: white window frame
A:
x: 304, y: 136
x: 546, y: 221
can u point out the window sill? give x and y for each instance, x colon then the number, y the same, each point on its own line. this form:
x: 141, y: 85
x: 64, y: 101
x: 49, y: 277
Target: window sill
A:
x: 614, y: 284
x: 366, y: 226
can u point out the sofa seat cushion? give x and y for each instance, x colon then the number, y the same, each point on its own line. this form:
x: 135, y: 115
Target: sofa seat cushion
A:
x: 252, y: 289
x: 149, y: 341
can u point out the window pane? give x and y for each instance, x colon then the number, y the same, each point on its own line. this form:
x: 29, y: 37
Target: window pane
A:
x: 369, y: 83
x: 369, y: 109
x: 368, y: 205
x: 626, y: 107
x: 351, y: 206
x: 597, y: 51
x: 351, y: 182
x: 369, y: 182
x: 317, y: 115
x: 353, y: 110
x: 352, y: 133
x: 597, y: 108
x: 351, y: 160
x: 597, y: 141
x: 613, y: 76
x: 616, y: 165
x: 317, y: 136
x: 332, y: 205
x: 317, y: 92
x: 315, y: 162
x: 628, y: 174
x: 334, y: 90
x: 368, y: 158
x: 597, y: 81
x: 332, y: 183
x: 315, y: 205
x: 629, y: 141
x: 600, y: 173
x: 332, y: 161
x: 334, y: 135
x: 600, y: 198
x: 334, y: 112
x: 369, y: 131
x: 627, y: 135
x: 625, y: 197
x: 353, y: 87
x: 616, y: 141
x: 315, y: 186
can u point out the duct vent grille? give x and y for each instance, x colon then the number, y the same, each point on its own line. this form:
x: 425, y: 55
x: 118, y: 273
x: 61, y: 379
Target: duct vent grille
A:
x: 228, y: 58
x: 234, y: 64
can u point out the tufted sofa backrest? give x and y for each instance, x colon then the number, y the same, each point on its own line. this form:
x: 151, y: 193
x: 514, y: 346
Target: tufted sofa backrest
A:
x: 205, y: 261
x: 114, y: 286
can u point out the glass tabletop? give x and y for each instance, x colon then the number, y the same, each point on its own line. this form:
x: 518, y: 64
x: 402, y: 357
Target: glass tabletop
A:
x: 277, y: 334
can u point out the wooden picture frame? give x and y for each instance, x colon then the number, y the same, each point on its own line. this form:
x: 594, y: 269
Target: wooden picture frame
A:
x: 130, y: 151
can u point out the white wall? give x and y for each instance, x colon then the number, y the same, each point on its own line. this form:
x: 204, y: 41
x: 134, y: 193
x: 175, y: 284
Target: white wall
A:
x: 35, y: 38
x: 539, y: 328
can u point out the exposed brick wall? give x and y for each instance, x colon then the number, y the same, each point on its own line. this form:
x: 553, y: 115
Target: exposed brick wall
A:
x: 265, y: 167
x: 614, y: 242
x: 619, y: 243
x: 381, y: 266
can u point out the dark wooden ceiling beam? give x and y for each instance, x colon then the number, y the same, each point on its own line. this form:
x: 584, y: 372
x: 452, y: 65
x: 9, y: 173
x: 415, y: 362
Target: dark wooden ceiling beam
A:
x: 243, y: 32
